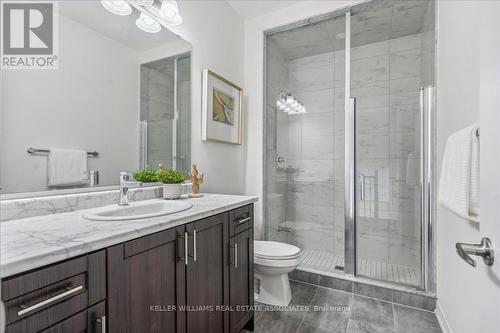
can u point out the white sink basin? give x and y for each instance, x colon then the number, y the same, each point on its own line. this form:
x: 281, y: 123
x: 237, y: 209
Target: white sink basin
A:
x: 137, y: 210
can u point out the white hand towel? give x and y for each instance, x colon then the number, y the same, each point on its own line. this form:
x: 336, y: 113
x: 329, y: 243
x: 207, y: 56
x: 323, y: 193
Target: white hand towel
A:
x: 459, y: 183
x: 67, y: 167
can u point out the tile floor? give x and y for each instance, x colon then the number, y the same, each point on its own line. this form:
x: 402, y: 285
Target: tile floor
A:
x: 341, y: 312
x: 328, y: 261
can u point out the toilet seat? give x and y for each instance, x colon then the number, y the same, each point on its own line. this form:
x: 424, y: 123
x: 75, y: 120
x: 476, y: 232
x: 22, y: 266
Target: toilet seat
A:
x: 270, y: 250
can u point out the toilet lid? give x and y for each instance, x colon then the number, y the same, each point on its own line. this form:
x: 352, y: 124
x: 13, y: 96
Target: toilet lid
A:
x: 275, y: 250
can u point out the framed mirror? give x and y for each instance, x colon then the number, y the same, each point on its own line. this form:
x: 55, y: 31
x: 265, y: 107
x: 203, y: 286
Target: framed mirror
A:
x: 119, y: 93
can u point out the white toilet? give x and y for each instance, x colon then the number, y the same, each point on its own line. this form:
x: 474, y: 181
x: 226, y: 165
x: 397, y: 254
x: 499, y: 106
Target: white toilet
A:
x: 272, y: 262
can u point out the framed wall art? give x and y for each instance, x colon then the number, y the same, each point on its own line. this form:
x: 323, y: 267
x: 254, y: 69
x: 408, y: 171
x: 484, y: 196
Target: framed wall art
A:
x: 222, y: 109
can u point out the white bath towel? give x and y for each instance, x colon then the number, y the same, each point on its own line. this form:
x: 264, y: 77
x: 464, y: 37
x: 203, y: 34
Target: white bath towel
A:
x: 459, y: 183
x: 67, y: 167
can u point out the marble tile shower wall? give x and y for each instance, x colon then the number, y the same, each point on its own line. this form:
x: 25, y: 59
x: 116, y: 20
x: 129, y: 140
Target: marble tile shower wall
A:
x: 312, y: 154
x: 385, y: 79
x: 277, y: 143
x: 157, y: 106
x: 184, y: 126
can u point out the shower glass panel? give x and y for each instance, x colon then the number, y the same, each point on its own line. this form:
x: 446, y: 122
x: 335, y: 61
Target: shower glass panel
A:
x: 183, y: 114
x: 386, y: 232
x: 386, y: 39
x: 166, y: 113
x: 305, y: 156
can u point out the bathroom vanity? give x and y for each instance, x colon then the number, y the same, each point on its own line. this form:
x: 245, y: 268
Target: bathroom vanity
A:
x: 186, y: 272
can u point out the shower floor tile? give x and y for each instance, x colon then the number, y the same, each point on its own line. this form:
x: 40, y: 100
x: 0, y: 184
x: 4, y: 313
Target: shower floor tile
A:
x: 331, y: 262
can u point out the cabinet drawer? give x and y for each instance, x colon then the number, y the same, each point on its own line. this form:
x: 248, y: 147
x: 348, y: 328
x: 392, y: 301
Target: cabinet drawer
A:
x: 43, y: 297
x: 240, y: 219
x: 91, y: 320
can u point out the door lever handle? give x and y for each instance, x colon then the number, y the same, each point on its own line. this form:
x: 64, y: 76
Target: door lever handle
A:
x: 483, y: 249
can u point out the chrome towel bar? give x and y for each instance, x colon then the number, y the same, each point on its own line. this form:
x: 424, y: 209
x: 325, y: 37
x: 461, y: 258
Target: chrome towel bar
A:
x: 32, y: 150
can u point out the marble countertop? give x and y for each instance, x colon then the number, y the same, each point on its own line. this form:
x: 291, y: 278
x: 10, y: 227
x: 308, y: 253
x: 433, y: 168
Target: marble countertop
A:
x: 34, y: 242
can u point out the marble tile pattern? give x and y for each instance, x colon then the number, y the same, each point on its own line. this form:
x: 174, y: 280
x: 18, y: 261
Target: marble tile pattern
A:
x: 38, y: 241
x: 276, y: 143
x: 157, y: 107
x: 371, y: 22
x: 312, y: 153
x: 385, y: 81
x: 38, y: 206
x: 385, y: 78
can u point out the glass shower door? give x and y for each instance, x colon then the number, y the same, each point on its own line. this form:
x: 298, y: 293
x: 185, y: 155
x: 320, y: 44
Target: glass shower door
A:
x: 384, y: 92
x: 305, y: 151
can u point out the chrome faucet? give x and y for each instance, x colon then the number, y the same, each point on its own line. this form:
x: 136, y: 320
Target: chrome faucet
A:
x: 125, y: 184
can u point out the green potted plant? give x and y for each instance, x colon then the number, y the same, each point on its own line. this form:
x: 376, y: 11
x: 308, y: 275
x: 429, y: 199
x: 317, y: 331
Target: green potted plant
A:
x: 172, y: 183
x: 147, y: 175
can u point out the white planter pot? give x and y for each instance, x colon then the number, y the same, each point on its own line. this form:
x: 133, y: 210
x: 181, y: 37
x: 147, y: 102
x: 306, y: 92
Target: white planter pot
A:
x: 172, y: 191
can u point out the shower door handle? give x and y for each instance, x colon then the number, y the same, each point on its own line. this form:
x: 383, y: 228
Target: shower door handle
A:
x: 350, y: 186
x: 483, y: 249
x: 362, y: 191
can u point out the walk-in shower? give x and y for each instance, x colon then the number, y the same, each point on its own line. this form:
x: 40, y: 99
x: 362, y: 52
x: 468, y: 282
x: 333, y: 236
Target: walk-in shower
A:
x: 349, y: 180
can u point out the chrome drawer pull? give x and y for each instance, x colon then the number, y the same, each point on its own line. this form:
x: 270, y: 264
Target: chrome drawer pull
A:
x: 186, y: 247
x: 194, y: 245
x: 102, y: 321
x: 48, y: 301
x: 246, y: 219
x: 236, y: 255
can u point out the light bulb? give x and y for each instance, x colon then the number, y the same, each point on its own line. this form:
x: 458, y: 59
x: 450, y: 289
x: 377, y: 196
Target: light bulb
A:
x: 147, y: 24
x: 169, y: 12
x: 118, y: 7
x: 144, y: 2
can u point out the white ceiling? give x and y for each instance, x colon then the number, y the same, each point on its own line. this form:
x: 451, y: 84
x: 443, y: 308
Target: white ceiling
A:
x: 122, y: 29
x: 248, y: 9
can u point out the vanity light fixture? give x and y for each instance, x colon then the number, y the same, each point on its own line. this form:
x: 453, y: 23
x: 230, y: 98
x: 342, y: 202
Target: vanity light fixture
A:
x: 169, y: 12
x: 145, y: 2
x: 147, y: 24
x: 152, y: 16
x: 288, y: 104
x: 118, y: 7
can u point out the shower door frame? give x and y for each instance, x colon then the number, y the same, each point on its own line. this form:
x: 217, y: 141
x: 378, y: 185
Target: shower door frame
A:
x: 427, y: 165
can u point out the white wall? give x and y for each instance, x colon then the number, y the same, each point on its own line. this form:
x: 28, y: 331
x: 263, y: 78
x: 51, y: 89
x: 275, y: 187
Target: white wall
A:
x: 458, y: 107
x: 489, y: 45
x: 216, y: 33
x: 254, y: 86
x: 90, y: 102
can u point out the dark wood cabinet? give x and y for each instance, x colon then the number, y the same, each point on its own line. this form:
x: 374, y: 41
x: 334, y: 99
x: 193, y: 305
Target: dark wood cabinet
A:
x: 145, y: 283
x: 241, y: 281
x: 92, y: 320
x: 207, y: 275
x: 36, y: 300
x: 194, y: 278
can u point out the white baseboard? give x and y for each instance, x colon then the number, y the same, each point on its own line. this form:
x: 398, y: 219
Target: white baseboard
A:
x: 445, y: 326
